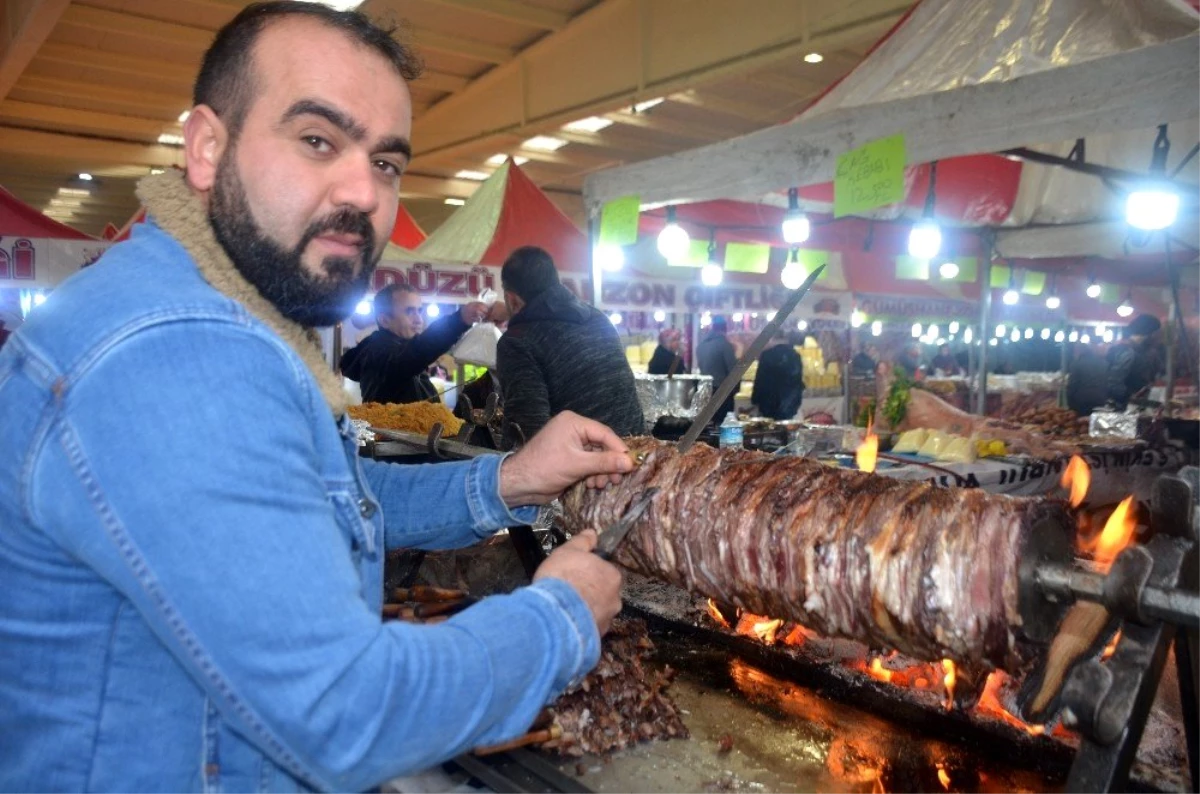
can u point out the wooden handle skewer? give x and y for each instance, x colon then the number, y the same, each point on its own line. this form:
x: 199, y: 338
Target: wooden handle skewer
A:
x: 426, y: 593
x: 533, y: 737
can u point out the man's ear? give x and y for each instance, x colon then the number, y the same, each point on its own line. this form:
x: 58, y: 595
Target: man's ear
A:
x: 206, y: 139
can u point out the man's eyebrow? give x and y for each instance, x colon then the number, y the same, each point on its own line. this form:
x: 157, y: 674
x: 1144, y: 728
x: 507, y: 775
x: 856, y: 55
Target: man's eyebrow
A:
x: 394, y: 145
x: 310, y: 107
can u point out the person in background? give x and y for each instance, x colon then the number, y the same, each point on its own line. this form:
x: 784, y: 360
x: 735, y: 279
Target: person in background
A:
x: 909, y: 361
x: 666, y: 359
x: 945, y: 361
x: 1135, y: 361
x: 865, y: 361
x: 1087, y: 380
x: 779, y: 381
x: 717, y: 359
x: 558, y: 354
x: 391, y: 364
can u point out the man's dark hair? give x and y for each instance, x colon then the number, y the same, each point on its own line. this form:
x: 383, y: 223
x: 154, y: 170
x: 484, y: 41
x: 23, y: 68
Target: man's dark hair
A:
x: 528, y: 272
x: 719, y: 324
x: 1143, y: 325
x: 383, y: 298
x: 227, y: 82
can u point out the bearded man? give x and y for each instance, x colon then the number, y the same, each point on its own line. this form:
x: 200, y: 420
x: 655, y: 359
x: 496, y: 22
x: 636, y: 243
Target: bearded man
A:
x: 191, y: 549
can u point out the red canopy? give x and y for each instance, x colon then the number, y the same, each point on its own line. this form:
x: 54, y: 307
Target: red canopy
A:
x: 18, y: 219
x: 406, y: 233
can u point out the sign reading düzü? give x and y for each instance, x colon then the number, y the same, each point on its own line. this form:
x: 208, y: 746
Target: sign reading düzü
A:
x: 38, y: 263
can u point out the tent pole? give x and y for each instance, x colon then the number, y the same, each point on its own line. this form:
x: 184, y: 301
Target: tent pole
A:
x: 1062, y: 371
x: 595, y: 266
x: 985, y: 321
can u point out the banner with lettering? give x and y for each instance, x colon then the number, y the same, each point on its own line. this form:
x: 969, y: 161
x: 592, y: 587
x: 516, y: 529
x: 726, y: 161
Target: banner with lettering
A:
x: 42, y: 263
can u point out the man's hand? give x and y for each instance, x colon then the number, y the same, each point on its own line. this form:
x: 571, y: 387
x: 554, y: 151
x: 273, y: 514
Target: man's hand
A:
x: 568, y: 449
x: 498, y: 313
x: 473, y: 312
x: 597, y: 582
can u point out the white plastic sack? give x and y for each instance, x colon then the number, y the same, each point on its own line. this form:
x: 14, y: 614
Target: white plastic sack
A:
x: 478, y: 346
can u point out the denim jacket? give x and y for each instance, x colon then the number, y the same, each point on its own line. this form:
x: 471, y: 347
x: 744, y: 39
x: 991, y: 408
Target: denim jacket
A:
x: 191, y: 554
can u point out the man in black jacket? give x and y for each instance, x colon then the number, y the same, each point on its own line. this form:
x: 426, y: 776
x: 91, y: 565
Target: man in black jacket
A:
x: 1134, y: 363
x: 779, y: 381
x: 717, y: 358
x: 558, y: 354
x: 390, y: 364
x: 666, y: 359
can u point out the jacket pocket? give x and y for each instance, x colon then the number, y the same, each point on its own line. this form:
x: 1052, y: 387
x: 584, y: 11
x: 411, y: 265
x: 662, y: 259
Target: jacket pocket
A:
x: 354, y: 516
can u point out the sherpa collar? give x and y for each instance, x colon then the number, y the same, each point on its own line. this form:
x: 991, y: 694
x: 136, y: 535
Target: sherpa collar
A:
x: 180, y: 213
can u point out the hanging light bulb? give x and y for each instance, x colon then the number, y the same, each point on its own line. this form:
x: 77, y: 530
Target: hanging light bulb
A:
x: 1045, y: 333
x: 948, y: 270
x: 932, y: 332
x: 1059, y: 337
x: 1108, y: 335
x: 771, y: 316
x: 609, y: 257
x: 876, y: 328
x: 796, y: 227
x: 925, y: 239
x: 1126, y: 308
x: 433, y: 310
x: 993, y: 342
x: 916, y: 330
x: 1029, y: 333
x: 1011, y: 296
x: 673, y: 240
x: 738, y: 317
x: 968, y: 335
x: 364, y: 307
x: 660, y: 316
x: 1093, y: 289
x: 802, y: 325
x: 857, y: 318
x: 1154, y: 206
x: 1053, y: 302
x: 1087, y: 340
x: 615, y: 318
x: 712, y: 273
x: 1074, y: 337
x: 954, y: 326
x: 793, y: 274
x: 706, y: 319
x: 1015, y: 335
x: 1001, y: 330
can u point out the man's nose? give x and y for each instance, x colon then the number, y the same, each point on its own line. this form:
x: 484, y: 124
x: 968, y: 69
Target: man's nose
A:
x: 355, y: 185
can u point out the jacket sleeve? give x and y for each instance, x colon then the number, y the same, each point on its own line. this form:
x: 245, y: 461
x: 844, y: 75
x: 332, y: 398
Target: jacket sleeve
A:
x: 1119, y: 365
x: 730, y: 360
x: 231, y: 552
x: 406, y: 361
x: 759, y: 391
x: 523, y: 387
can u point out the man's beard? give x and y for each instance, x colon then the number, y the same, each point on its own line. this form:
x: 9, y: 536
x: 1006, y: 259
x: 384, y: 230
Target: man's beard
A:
x: 278, y: 273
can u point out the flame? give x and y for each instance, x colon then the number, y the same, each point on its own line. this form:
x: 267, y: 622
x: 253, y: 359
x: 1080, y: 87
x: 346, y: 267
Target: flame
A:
x: 878, y: 787
x: 798, y: 635
x: 878, y: 671
x: 1111, y: 648
x: 1115, y: 536
x: 943, y: 776
x: 765, y: 630
x: 868, y: 451
x: 1076, y: 477
x: 989, y: 703
x: 949, y: 678
x: 716, y: 614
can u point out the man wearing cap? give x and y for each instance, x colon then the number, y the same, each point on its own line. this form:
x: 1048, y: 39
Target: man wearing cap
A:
x: 717, y: 358
x: 1134, y: 363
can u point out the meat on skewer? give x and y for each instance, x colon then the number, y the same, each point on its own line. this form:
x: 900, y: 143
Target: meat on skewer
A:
x: 930, y: 572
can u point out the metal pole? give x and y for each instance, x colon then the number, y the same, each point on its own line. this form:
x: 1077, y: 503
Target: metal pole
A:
x: 1062, y: 370
x: 985, y: 321
x: 593, y: 231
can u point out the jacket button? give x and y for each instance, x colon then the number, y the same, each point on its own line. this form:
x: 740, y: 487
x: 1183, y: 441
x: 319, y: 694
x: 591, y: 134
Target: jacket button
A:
x: 366, y: 508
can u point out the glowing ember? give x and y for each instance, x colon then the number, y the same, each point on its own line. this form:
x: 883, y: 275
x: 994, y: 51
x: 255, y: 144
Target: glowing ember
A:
x: 1115, y: 536
x: 716, y: 614
x: 1076, y: 477
x: 989, y: 704
x: 868, y: 451
x: 943, y: 776
x: 1111, y: 648
x: 878, y: 671
x: 798, y: 635
x: 765, y: 630
x: 949, y: 678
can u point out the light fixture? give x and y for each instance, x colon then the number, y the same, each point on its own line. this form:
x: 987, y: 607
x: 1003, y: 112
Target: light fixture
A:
x: 615, y: 318
x: 1053, y: 302
x: 474, y: 176
x: 1001, y: 330
x: 1074, y: 337
x: 1109, y: 336
x: 1029, y: 333
x: 948, y: 270
x: 1093, y: 289
x: 1087, y: 340
x: 363, y: 307
x: 1060, y: 336
x: 706, y: 319
x: 644, y: 105
x: 793, y: 274
x: 590, y: 124
x: 184, y: 116
x: 771, y: 316
x: 916, y: 331
x: 168, y: 138
x: 1011, y: 296
x: 673, y: 240
x: 814, y: 57
x: 610, y: 257
x: 796, y: 227
x: 339, y: 5
x: 968, y: 335
x: 857, y: 318
x: 932, y: 332
x: 802, y: 325
x: 993, y: 342
x: 433, y: 310
x: 39, y: 298
x: 711, y: 275
x: 85, y: 176
x: 157, y: 171
x: 738, y: 317
x: 925, y: 238
x: 1126, y: 308
x: 1153, y: 206
x: 1045, y: 333
x: 1015, y: 335
x: 660, y: 316
x: 954, y: 326
x: 500, y: 157
x: 876, y: 328
x: 455, y: 202
x: 544, y: 143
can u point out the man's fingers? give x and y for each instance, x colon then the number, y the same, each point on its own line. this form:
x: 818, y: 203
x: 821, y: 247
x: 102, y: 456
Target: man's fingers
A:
x: 585, y: 540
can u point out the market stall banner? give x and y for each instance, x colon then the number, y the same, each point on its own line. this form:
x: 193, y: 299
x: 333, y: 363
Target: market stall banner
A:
x: 440, y: 282
x: 40, y: 263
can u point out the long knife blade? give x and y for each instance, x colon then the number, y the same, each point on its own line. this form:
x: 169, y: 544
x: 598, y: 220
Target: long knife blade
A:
x: 734, y: 378
x: 612, y: 536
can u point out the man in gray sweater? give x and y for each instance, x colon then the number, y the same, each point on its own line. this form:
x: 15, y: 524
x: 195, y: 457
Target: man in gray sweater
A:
x: 558, y: 354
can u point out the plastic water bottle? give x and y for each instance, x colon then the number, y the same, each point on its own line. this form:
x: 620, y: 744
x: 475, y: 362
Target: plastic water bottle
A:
x: 729, y: 434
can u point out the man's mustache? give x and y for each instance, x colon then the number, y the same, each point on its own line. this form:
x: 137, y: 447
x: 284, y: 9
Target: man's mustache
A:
x: 344, y: 221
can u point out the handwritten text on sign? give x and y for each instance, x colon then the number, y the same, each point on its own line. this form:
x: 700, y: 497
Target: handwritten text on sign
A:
x: 869, y: 177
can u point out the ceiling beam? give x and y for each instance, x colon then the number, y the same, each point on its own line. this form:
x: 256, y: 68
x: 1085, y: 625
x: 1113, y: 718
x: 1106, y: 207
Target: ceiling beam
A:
x: 463, y: 48
x: 24, y: 27
x: 511, y: 11
x: 680, y: 128
x: 105, y: 21
x: 87, y: 58
x: 440, y: 81
x: 55, y: 118
x: 1136, y: 89
x: 648, y: 58
x: 152, y: 104
x: 37, y: 145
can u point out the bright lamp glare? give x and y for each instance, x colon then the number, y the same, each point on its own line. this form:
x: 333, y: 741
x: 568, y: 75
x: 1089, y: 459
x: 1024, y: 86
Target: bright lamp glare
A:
x: 609, y: 257
x: 1001, y: 330
x: 1087, y: 340
x: 876, y: 328
x: 433, y: 310
x: 39, y: 298
x: 992, y: 343
x: 948, y: 270
x: 1053, y: 302
x: 1029, y: 333
x: 1011, y: 297
x: 1015, y: 335
x: 925, y: 240
x: 793, y: 275
x: 802, y: 325
x: 1074, y: 337
x: 660, y: 316
x: 1060, y: 336
x: 1151, y: 210
x: 916, y: 330
x: 796, y: 228
x: 933, y: 332
x: 706, y: 319
x: 968, y: 335
x: 615, y: 318
x: 363, y: 307
x: 711, y: 274
x: 857, y: 318
x: 1108, y: 335
x: 1093, y: 290
x: 738, y: 317
x: 954, y: 326
x: 1045, y: 333
x: 1125, y: 309
x: 673, y: 242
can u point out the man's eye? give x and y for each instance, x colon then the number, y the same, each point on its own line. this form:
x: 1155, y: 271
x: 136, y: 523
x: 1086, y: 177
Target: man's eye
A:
x: 389, y: 168
x: 318, y: 143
